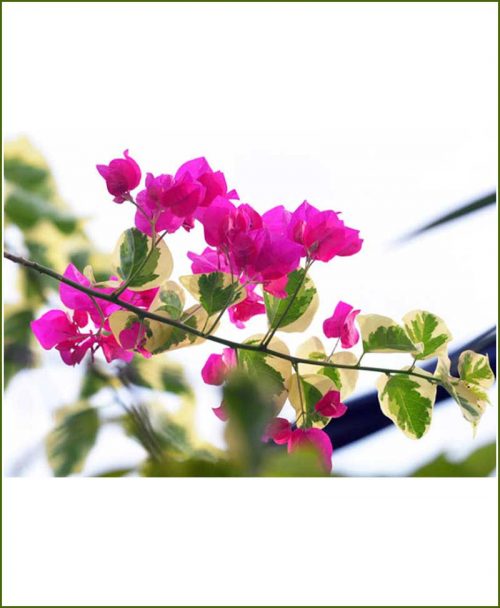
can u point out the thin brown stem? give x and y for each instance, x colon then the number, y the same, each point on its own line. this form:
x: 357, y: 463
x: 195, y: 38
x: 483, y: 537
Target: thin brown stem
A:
x: 232, y: 344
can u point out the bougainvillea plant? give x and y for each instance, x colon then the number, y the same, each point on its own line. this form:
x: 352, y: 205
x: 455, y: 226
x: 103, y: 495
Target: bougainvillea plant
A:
x: 251, y: 265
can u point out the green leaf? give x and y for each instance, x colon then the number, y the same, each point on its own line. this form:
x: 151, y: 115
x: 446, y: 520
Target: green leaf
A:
x: 259, y: 369
x: 71, y: 440
x: 26, y: 209
x: 333, y: 374
x: 427, y: 332
x: 169, y: 300
x: 383, y: 335
x: 408, y: 402
x: 214, y: 296
x: 300, y: 314
x: 474, y: 368
x: 138, y: 263
x: 343, y: 379
x: 215, y: 291
x: 471, y: 397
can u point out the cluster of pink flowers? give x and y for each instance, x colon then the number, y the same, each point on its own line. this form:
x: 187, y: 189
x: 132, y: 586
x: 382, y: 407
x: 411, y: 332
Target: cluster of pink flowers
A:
x: 256, y: 250
x: 86, y: 327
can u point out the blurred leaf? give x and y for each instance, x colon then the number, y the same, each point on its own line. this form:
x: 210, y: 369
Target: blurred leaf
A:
x: 481, y: 463
x: 192, y: 467
x: 249, y: 408
x: 73, y: 437
x: 465, y: 210
x: 117, y: 472
x: 26, y: 209
x: 93, y: 381
x: 156, y: 374
x: 18, y: 354
x: 300, y: 463
x: 17, y: 358
x: 26, y: 175
x: 17, y: 325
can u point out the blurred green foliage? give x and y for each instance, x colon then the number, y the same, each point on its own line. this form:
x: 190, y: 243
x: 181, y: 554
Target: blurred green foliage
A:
x: 480, y: 463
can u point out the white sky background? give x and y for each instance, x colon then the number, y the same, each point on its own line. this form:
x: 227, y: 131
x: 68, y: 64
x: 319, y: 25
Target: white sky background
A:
x: 384, y: 112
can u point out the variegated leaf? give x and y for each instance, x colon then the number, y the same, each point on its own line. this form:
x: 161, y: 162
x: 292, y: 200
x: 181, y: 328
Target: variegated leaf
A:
x: 428, y: 333
x: 140, y: 264
x: 383, y: 335
x: 285, y: 315
x: 408, y: 402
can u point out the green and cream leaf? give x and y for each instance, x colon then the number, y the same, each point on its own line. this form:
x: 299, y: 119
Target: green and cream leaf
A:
x: 140, y: 264
x: 408, y: 402
x: 215, y: 291
x: 427, y: 332
x: 383, y: 335
x: 475, y: 368
x: 301, y: 312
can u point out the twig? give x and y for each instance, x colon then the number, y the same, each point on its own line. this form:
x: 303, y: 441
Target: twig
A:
x: 172, y: 322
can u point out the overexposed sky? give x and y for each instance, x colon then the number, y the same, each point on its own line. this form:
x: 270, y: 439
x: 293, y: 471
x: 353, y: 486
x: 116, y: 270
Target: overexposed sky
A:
x: 387, y: 113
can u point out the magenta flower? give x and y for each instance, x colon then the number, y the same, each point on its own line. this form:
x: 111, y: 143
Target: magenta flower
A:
x: 322, y: 234
x: 209, y: 260
x: 134, y: 338
x: 217, y: 367
x: 167, y: 202
x: 248, y: 308
x: 279, y: 430
x: 78, y: 301
x: 316, y: 439
x: 214, y: 181
x: 277, y: 287
x: 330, y: 405
x: 223, y: 222
x: 341, y: 325
x: 55, y: 329
x: 122, y: 175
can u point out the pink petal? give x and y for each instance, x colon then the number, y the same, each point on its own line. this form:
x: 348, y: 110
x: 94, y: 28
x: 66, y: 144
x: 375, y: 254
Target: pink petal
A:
x: 330, y: 405
x: 52, y: 328
x: 112, y: 350
x: 221, y: 412
x: 194, y: 168
x: 349, y: 335
x: 208, y: 261
x: 246, y: 309
x: 332, y: 327
x: 214, y: 371
x: 315, y: 438
x: 277, y: 287
x: 279, y: 430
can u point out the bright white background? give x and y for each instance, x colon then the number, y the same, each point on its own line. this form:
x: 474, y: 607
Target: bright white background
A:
x: 384, y: 111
